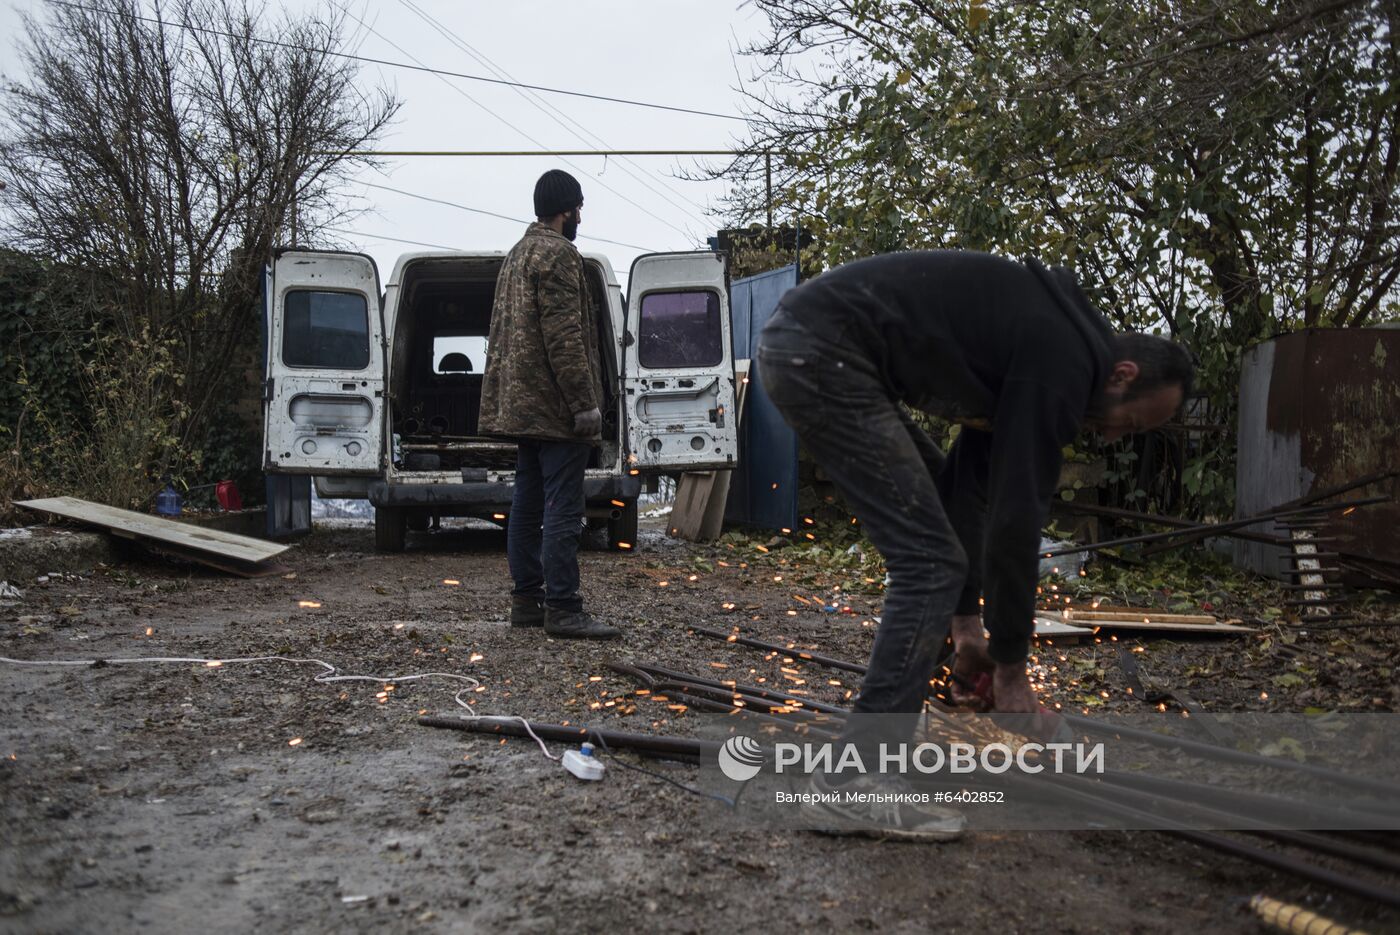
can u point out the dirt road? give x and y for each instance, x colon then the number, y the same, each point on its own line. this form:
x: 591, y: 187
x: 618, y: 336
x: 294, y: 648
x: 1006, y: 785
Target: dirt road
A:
x: 179, y: 798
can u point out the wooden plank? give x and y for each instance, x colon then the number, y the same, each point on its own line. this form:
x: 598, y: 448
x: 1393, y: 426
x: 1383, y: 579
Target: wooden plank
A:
x: 1153, y: 625
x: 221, y: 563
x: 692, y: 496
x: 1139, y: 614
x: 1054, y: 628
x: 193, y: 539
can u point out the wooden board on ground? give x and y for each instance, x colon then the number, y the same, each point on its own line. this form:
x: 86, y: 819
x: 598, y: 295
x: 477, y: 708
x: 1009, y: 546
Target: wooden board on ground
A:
x: 698, y: 513
x: 226, y: 551
x: 1055, y: 628
x: 1157, y: 625
x: 1138, y: 613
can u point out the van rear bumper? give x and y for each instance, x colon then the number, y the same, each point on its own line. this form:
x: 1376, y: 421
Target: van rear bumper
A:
x: 490, y: 496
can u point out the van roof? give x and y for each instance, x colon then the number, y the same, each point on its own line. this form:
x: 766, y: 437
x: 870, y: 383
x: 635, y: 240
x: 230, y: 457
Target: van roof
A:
x: 406, y: 258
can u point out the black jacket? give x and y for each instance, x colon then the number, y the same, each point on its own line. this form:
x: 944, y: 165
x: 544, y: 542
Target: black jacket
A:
x: 1013, y: 352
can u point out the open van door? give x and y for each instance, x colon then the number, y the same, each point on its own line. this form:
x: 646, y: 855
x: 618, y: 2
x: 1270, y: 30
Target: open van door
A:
x: 323, y: 396
x: 678, y: 364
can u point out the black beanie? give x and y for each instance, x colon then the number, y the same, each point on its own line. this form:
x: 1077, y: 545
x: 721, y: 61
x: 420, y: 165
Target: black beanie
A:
x: 557, y: 192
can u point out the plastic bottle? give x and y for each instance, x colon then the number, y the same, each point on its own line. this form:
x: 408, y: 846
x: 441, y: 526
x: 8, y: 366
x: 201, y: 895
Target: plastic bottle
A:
x: 169, y: 501
x: 583, y: 764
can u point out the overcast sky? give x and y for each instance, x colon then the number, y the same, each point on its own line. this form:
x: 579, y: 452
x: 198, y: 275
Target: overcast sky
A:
x: 676, y: 52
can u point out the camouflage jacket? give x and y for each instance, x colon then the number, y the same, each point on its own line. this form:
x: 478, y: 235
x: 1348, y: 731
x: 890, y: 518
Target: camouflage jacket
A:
x: 542, y: 361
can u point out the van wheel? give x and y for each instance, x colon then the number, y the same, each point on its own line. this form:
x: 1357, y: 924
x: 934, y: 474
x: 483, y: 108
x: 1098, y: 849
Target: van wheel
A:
x: 390, y: 529
x: 622, y: 532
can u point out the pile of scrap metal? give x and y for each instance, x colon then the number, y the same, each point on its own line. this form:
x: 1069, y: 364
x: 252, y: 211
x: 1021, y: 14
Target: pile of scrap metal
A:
x: 1126, y: 796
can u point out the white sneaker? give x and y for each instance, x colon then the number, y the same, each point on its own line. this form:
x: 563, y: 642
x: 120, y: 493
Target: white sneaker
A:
x: 884, y: 807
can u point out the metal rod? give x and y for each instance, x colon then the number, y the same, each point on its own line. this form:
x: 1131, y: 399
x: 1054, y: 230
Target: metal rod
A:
x: 802, y: 654
x: 749, y: 690
x: 1258, y: 855
x: 1133, y: 516
x: 726, y: 698
x: 1378, y: 787
x: 1340, y: 489
x: 1195, y: 747
x: 1337, y: 847
x: 1204, y: 530
x: 686, y: 748
x: 1187, y: 791
x: 1179, y: 789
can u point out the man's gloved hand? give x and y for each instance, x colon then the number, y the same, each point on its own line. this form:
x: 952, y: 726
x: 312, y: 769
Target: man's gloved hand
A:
x: 588, y: 423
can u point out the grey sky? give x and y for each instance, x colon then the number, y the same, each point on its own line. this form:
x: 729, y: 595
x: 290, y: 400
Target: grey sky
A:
x: 677, y: 52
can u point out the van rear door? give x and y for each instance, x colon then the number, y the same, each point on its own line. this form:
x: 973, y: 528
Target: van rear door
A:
x: 678, y: 364
x: 323, y: 397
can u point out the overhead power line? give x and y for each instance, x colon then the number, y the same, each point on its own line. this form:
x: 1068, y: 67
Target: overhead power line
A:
x: 455, y: 87
x: 405, y: 65
x: 375, y: 238
x: 503, y: 217
x: 585, y: 136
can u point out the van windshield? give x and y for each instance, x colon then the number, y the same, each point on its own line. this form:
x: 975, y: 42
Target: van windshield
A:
x: 325, y: 329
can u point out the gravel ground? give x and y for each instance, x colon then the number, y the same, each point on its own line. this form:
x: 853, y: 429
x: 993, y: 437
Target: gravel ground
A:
x: 176, y: 798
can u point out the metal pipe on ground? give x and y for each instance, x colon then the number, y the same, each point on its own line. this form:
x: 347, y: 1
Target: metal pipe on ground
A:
x: 1319, y: 816
x: 1179, y: 790
x: 804, y: 655
x: 726, y: 699
x: 1339, y: 848
x: 749, y: 690
x: 691, y: 749
x: 1249, y: 852
x: 1388, y: 790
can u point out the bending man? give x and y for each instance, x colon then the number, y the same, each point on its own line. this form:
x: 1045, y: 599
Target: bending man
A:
x: 1018, y: 357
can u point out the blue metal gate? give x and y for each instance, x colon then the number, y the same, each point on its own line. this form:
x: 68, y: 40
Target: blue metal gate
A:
x: 763, y: 490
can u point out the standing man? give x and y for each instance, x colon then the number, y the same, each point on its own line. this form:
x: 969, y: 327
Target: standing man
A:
x: 542, y: 389
x: 1016, y: 354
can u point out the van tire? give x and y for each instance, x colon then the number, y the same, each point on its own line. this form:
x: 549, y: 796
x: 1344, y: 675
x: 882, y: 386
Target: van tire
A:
x: 624, y: 529
x: 390, y: 529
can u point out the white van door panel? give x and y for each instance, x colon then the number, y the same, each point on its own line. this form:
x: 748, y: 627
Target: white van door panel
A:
x: 678, y: 364
x: 323, y: 397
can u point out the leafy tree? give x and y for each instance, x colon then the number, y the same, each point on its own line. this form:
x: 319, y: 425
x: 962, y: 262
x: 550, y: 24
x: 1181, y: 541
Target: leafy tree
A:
x: 168, y: 152
x: 1221, y: 171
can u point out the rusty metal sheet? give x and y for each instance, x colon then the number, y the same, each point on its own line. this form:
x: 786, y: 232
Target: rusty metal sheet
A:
x: 1319, y: 408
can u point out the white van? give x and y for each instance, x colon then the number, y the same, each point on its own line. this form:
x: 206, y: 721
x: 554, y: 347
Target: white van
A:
x: 378, y: 395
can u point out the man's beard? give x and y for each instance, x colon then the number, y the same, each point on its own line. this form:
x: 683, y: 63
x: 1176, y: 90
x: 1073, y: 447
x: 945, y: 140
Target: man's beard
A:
x: 571, y: 226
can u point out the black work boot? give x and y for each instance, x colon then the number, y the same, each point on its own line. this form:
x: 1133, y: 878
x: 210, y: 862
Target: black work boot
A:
x: 526, y: 610
x: 577, y: 625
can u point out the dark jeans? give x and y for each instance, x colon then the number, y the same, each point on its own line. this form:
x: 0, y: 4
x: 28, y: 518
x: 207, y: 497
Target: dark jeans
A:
x: 889, y: 471
x: 546, y: 521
